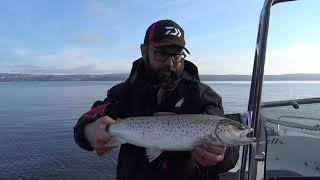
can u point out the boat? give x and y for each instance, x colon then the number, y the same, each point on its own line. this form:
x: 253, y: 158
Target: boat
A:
x: 287, y: 132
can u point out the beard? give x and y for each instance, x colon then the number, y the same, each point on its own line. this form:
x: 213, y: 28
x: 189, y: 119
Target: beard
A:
x: 164, y: 76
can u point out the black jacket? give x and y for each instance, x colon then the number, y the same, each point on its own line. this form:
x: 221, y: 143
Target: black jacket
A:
x: 138, y: 97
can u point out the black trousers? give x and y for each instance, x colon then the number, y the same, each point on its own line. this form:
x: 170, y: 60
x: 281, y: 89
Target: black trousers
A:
x: 181, y: 167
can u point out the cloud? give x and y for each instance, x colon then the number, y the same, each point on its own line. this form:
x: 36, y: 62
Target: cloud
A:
x: 82, y: 61
x: 173, y: 4
x: 220, y: 34
x: 89, y: 38
x: 300, y: 57
x: 97, y: 7
x: 296, y: 58
x: 110, y: 16
x: 66, y: 61
x: 34, y: 69
x: 163, y: 4
x: 235, y: 63
x: 23, y: 52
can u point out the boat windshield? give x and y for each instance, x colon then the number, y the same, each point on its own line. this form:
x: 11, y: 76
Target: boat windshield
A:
x: 290, y: 114
x: 292, y: 133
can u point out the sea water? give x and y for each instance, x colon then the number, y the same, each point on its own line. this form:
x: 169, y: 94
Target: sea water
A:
x: 37, y: 119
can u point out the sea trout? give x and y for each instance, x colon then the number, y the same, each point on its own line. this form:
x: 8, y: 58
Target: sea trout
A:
x: 181, y: 132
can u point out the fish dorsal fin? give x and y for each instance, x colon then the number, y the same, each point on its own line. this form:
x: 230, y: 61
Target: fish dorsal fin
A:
x: 164, y: 113
x: 153, y: 153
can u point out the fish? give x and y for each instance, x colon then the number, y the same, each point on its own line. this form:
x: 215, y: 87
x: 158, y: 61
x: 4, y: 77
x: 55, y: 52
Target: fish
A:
x: 177, y: 132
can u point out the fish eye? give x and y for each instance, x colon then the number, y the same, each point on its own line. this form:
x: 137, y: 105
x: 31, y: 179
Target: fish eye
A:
x: 242, y: 128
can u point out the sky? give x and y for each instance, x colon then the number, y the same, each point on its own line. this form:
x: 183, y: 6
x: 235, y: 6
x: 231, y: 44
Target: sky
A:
x: 103, y: 37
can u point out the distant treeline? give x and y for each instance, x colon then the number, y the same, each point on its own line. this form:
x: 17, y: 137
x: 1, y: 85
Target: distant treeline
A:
x: 4, y: 77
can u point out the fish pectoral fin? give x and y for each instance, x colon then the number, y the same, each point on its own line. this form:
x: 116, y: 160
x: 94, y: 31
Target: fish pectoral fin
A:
x: 164, y: 113
x: 153, y: 153
x: 114, y: 141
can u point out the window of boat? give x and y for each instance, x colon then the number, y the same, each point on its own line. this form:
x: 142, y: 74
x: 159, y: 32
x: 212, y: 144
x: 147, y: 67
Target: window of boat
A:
x: 291, y: 101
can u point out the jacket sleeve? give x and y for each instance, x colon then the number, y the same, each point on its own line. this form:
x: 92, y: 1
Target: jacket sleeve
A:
x: 107, y: 107
x: 213, y: 105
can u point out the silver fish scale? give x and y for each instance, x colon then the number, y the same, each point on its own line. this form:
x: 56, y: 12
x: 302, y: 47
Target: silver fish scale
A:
x: 171, y: 132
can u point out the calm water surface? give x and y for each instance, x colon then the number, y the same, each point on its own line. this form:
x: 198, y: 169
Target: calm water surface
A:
x: 36, y: 121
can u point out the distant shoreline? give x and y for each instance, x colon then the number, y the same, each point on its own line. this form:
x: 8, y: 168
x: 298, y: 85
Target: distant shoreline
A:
x: 6, y: 77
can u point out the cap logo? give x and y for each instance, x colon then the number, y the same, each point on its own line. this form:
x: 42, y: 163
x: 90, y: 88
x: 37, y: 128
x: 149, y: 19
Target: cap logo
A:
x: 173, y: 31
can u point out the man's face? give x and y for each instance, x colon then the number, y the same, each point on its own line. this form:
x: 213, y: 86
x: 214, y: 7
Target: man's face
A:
x: 165, y: 63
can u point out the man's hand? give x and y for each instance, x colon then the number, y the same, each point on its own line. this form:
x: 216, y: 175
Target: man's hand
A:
x: 97, y: 135
x: 208, y: 154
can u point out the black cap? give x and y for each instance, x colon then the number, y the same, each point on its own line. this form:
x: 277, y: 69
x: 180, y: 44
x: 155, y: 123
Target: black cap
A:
x: 165, y: 33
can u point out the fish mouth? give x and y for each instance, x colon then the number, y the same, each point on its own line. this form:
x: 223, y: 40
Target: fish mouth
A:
x: 246, y: 138
x: 246, y: 133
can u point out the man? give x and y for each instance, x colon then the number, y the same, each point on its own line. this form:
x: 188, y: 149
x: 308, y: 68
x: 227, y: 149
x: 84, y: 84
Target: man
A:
x: 161, y: 81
